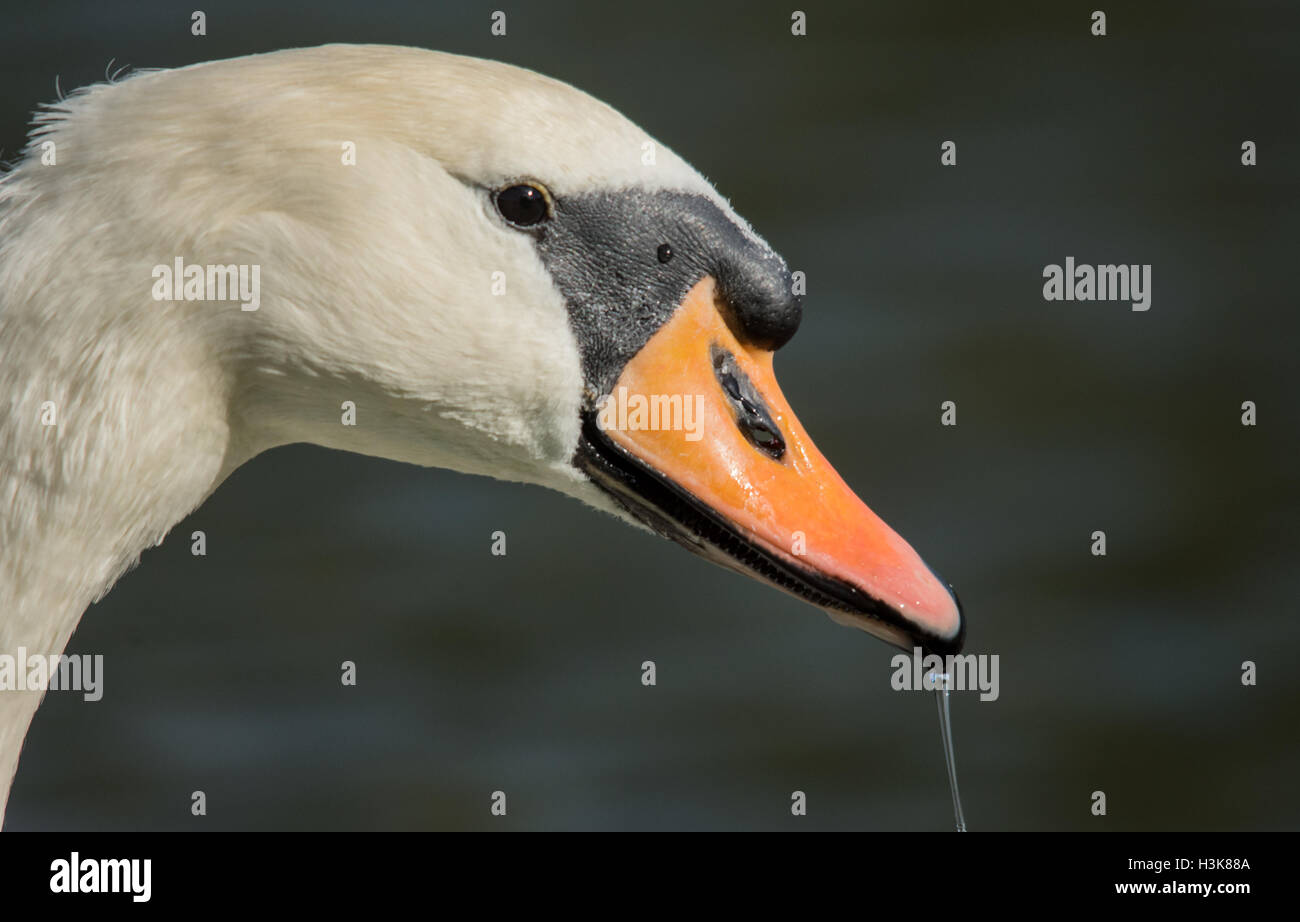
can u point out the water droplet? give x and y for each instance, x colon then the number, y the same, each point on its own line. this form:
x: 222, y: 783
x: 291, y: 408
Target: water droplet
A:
x: 941, y: 681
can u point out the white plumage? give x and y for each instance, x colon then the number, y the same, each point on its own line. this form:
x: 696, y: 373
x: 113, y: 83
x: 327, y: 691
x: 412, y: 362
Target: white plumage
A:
x: 376, y: 288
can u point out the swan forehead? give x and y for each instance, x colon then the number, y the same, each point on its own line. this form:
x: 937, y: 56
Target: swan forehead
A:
x: 495, y: 122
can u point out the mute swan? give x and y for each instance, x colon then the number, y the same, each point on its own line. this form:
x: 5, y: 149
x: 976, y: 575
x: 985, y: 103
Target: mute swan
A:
x: 469, y: 255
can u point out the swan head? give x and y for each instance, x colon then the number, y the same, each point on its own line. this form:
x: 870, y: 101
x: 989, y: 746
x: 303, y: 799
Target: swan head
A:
x: 498, y: 274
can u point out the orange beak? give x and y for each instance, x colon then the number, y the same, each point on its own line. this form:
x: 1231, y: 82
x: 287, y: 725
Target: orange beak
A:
x: 699, y: 442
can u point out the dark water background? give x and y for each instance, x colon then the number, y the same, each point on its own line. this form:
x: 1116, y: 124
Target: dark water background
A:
x: 480, y: 673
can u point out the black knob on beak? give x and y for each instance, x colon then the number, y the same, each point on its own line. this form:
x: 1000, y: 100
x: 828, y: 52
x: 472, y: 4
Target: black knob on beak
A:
x: 758, y: 292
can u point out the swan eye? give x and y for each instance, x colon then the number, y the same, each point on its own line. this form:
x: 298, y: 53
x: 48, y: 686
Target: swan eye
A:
x: 524, y: 205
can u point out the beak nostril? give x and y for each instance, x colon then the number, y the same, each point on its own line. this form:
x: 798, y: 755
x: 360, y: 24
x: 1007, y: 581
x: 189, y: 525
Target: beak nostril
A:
x: 752, y: 416
x: 764, y: 437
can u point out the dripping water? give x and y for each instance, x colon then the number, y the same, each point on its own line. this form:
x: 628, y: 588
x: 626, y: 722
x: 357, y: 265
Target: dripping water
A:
x: 941, y: 682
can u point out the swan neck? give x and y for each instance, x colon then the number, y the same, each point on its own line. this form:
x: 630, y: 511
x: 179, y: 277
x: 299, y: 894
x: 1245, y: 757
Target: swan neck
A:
x: 98, y: 461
